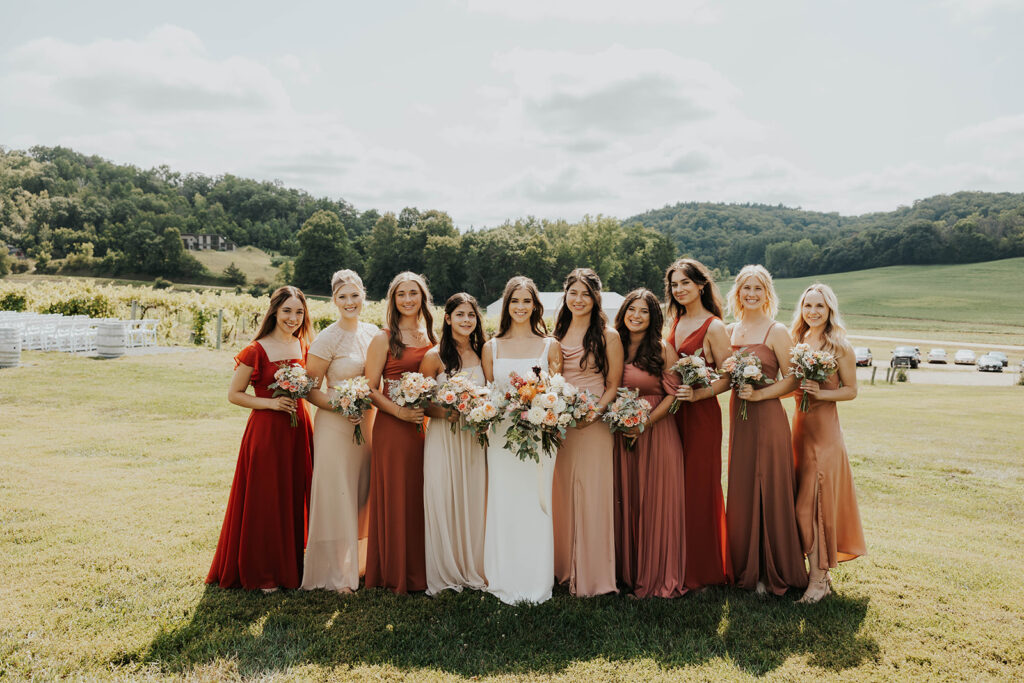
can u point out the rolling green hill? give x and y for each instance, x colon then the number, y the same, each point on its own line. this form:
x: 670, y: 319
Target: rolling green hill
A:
x: 254, y: 262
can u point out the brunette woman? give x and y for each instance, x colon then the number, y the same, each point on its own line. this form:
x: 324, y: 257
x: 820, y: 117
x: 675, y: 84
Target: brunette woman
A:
x: 395, y: 553
x: 263, y: 534
x: 584, y: 522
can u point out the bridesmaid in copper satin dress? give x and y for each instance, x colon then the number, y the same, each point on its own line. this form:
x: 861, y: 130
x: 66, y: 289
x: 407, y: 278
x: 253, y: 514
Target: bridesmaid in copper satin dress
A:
x: 581, y: 507
x: 395, y: 550
x: 764, y: 544
x: 826, y: 502
x: 695, y: 308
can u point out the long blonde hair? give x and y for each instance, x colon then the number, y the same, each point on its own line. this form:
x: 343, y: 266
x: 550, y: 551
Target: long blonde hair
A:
x: 395, y: 344
x: 761, y: 274
x: 835, y: 331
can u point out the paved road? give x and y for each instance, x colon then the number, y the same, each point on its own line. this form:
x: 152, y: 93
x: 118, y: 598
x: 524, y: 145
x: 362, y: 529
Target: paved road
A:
x: 917, y: 341
x: 951, y: 375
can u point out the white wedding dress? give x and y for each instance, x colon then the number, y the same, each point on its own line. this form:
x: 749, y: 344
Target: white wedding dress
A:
x: 519, y: 547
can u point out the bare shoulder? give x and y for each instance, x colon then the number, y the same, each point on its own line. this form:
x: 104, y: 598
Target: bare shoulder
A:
x: 611, y: 336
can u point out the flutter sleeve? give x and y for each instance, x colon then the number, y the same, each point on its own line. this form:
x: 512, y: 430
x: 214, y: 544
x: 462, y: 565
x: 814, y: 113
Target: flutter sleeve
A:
x: 250, y: 356
x: 324, y: 344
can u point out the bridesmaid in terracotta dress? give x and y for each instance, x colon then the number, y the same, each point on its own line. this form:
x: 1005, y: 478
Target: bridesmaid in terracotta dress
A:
x: 336, y: 547
x: 264, y: 528
x: 582, y: 514
x: 455, y: 464
x: 650, y: 510
x: 826, y: 503
x: 694, y: 307
x: 395, y: 553
x: 764, y: 544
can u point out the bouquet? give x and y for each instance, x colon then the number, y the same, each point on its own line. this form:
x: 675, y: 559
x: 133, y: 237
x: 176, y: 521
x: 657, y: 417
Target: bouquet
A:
x: 484, y: 412
x: 694, y: 373
x: 817, y: 366
x: 582, y: 406
x: 291, y: 380
x: 352, y: 398
x: 539, y: 412
x: 457, y: 394
x: 413, y: 390
x: 626, y: 412
x: 744, y: 368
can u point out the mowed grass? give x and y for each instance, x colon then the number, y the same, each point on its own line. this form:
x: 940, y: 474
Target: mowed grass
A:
x: 254, y: 262
x: 114, y: 477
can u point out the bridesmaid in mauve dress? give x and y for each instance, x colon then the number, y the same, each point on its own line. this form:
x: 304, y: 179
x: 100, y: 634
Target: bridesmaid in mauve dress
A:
x: 650, y: 519
x: 582, y: 495
x: 695, y: 308
x: 336, y: 547
x: 264, y: 527
x: 395, y: 548
x: 826, y: 502
x: 764, y: 544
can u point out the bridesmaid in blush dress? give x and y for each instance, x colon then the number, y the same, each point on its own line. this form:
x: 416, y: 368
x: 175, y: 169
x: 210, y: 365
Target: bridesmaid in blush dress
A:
x: 695, y: 308
x: 395, y: 548
x: 582, y: 512
x: 764, y: 544
x: 264, y: 527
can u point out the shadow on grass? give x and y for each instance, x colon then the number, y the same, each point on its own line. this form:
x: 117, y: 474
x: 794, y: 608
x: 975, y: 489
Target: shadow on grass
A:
x: 473, y: 634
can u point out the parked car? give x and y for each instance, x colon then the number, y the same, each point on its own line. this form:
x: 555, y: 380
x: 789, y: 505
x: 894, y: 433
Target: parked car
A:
x: 905, y: 355
x: 990, y: 363
x: 1001, y: 356
x: 964, y: 357
x: 937, y: 356
x: 863, y: 355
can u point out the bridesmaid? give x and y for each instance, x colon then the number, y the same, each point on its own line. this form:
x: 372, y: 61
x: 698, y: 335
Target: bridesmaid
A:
x: 650, y: 523
x: 264, y: 532
x: 395, y: 553
x: 695, y: 308
x: 336, y: 548
x: 583, y: 518
x: 454, y: 465
x: 826, y: 503
x: 764, y: 544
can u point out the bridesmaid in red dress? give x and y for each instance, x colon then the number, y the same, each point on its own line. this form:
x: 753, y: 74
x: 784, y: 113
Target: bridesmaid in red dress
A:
x: 264, y: 530
x: 395, y: 554
x: 695, y: 308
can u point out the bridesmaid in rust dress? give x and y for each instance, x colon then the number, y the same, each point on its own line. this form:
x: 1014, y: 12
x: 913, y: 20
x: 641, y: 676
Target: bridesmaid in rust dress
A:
x: 764, y: 544
x: 395, y: 549
x: 581, y: 507
x: 826, y: 503
x: 650, y: 510
x: 695, y: 308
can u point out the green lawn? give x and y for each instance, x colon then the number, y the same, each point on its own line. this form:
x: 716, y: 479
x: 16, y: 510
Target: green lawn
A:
x: 254, y: 262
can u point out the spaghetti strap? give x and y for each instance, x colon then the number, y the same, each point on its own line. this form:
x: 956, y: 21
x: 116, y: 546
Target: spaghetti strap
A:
x: 764, y: 341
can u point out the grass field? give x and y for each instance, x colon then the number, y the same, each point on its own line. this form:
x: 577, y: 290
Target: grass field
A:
x: 113, y: 483
x: 255, y: 263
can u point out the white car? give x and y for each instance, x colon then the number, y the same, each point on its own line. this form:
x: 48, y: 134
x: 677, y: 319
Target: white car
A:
x: 937, y: 356
x: 964, y: 357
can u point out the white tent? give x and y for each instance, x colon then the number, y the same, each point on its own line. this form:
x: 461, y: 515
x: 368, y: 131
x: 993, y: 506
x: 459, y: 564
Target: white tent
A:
x: 610, y: 302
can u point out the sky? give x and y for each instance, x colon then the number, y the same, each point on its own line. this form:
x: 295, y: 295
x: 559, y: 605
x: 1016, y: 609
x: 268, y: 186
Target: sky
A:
x: 500, y: 109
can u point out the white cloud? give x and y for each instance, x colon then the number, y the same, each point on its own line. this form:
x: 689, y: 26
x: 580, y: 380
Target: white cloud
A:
x: 601, y: 11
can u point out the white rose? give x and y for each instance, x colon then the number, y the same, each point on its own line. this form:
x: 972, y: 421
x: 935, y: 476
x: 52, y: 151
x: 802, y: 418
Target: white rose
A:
x: 698, y: 361
x: 751, y: 371
x: 564, y: 419
x: 568, y: 391
x: 535, y: 415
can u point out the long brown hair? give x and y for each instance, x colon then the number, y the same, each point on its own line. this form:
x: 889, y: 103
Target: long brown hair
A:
x: 537, y: 325
x: 395, y: 344
x: 448, y: 350
x: 593, y: 341
x: 305, y: 331
x: 648, y: 356
x: 699, y: 274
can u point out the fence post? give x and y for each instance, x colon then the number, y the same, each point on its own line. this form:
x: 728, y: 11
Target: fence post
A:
x: 873, y: 371
x: 220, y: 324
x: 135, y: 310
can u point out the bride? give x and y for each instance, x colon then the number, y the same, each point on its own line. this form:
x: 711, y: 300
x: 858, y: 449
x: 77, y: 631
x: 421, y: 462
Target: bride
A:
x: 519, y: 556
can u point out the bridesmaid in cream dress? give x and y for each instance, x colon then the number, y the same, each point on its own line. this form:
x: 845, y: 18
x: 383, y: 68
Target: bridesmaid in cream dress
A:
x: 454, y: 464
x: 336, y: 547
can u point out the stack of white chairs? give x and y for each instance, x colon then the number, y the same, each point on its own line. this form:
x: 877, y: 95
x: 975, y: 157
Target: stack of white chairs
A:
x: 72, y: 333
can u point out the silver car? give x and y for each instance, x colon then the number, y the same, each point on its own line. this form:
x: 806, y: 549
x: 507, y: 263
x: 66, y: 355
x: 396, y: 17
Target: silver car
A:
x: 964, y: 357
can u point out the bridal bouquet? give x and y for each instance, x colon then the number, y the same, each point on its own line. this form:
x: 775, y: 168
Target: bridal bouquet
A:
x: 291, y: 380
x: 744, y: 368
x: 582, y: 406
x: 352, y: 398
x: 537, y: 405
x: 627, y: 411
x: 483, y: 413
x: 817, y: 366
x: 694, y: 373
x: 457, y: 394
x: 413, y: 390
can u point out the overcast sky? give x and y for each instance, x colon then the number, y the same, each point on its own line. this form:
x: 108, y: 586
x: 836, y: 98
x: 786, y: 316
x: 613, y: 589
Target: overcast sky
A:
x: 496, y: 109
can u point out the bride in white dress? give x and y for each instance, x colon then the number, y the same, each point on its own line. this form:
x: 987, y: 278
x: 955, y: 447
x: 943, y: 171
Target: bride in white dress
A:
x: 519, y: 549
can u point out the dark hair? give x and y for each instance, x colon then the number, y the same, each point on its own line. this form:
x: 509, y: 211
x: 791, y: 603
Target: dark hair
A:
x: 698, y: 273
x: 395, y: 344
x: 648, y: 356
x: 593, y: 341
x: 447, y: 348
x: 305, y: 331
x: 537, y: 325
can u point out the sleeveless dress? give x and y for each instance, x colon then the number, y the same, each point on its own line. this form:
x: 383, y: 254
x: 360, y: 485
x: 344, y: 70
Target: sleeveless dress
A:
x: 394, y: 552
x: 650, y: 519
x: 825, y: 495
x: 264, y: 528
x: 764, y: 544
x: 518, y: 545
x: 700, y: 430
x: 336, y: 547
x: 454, y: 502
x: 582, y: 496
